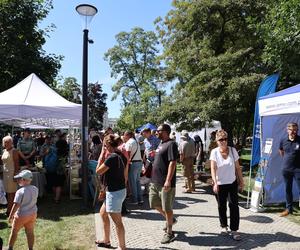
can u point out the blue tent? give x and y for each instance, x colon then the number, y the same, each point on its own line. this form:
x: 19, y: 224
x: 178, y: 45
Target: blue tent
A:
x: 147, y: 125
x: 276, y: 110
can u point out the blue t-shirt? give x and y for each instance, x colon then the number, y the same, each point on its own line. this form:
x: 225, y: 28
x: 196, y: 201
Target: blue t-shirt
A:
x: 151, y: 144
x: 291, y: 156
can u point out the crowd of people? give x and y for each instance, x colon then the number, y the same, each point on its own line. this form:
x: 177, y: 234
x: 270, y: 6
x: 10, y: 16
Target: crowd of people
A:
x: 123, y: 161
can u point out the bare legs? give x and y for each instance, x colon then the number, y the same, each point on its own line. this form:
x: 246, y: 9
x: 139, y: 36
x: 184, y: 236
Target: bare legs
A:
x: 168, y: 215
x: 29, y: 235
x: 117, y: 219
x: 10, y: 202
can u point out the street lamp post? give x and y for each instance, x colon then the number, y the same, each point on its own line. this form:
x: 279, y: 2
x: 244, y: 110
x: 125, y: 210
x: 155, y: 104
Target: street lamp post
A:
x: 87, y: 12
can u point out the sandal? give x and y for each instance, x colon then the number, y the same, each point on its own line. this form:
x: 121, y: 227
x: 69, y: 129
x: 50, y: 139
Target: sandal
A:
x: 101, y: 243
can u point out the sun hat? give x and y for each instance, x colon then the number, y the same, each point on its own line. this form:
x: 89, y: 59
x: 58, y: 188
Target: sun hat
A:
x: 24, y: 174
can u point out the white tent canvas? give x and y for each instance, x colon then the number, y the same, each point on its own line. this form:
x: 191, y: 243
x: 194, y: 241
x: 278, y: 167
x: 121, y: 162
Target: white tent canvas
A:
x: 32, y: 99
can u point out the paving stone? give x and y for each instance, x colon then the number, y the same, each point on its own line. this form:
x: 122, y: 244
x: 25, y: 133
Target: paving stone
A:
x: 198, y: 226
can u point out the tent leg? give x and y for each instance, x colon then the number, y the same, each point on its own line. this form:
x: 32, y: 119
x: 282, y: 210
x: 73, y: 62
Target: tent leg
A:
x: 249, y: 185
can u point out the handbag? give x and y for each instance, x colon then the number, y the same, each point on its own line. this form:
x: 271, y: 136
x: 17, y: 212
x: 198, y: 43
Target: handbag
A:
x: 148, y: 169
x: 102, y: 195
x: 102, y: 189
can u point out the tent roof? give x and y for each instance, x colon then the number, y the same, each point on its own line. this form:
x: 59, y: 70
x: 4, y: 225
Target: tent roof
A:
x: 147, y: 125
x: 32, y: 98
x: 290, y: 90
x: 286, y: 101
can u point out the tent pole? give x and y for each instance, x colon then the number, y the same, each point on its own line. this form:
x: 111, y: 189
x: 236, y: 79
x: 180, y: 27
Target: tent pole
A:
x: 250, y: 172
x: 249, y: 182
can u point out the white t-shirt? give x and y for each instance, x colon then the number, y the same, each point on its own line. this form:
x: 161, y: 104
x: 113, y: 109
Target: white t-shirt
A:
x: 225, y: 167
x: 133, y: 146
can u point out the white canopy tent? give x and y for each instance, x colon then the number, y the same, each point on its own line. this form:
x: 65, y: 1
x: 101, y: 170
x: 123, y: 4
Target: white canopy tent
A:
x: 33, y: 103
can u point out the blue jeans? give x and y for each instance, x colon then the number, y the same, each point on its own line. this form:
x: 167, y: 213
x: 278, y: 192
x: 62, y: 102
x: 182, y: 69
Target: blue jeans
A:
x: 135, y: 170
x: 288, y: 181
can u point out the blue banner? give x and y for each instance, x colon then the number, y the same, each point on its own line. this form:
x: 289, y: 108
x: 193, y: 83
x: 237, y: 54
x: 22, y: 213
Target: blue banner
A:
x: 267, y: 86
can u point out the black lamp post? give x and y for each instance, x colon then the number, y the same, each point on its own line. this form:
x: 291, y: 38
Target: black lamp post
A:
x: 87, y: 12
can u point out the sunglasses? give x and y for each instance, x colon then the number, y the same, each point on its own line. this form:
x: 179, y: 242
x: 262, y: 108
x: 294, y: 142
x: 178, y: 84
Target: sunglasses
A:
x: 223, y: 139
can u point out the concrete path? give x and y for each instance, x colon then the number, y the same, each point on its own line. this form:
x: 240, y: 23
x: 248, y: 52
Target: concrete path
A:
x: 198, y: 226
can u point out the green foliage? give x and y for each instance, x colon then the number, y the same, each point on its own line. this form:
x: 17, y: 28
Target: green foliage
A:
x: 70, y: 89
x: 135, y: 64
x: 21, y: 42
x: 214, y: 52
x: 97, y: 105
x: 281, y: 31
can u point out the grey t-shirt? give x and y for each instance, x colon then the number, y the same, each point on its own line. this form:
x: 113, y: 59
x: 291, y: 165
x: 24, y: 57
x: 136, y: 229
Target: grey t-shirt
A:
x: 26, y: 196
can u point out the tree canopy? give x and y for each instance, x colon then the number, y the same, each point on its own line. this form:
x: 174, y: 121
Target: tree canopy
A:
x: 21, y: 42
x: 134, y: 63
x: 213, y: 50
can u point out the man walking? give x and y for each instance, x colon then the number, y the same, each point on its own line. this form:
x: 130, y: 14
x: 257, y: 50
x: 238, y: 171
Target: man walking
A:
x: 162, y: 187
x: 135, y: 168
x: 289, y: 149
x: 187, y: 157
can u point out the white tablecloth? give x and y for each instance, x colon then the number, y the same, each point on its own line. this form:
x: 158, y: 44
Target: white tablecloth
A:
x: 39, y: 180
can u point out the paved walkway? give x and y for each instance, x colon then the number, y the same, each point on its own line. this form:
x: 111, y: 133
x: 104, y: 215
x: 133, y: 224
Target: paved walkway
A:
x: 198, y: 226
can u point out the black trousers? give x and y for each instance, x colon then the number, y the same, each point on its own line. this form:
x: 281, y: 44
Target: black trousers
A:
x: 229, y: 192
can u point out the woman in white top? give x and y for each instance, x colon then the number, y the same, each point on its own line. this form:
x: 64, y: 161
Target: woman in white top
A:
x: 225, y: 171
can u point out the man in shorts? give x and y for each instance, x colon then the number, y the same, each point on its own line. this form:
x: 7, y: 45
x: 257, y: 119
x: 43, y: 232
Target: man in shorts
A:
x: 163, y: 180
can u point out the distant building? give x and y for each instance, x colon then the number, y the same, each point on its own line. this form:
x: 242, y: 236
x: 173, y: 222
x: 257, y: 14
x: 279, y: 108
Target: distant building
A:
x: 109, y: 122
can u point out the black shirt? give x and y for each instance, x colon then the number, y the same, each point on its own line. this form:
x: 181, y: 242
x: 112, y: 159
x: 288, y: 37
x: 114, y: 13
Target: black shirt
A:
x: 62, y: 148
x: 291, y: 156
x: 165, y: 153
x: 114, y: 176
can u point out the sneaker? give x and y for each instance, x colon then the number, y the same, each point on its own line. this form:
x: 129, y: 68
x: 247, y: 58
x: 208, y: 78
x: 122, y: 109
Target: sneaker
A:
x: 174, y: 222
x: 224, y: 231
x: 167, y: 238
x: 235, y: 235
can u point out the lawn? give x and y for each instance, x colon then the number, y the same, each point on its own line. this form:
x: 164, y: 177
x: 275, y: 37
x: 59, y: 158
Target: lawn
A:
x: 68, y: 225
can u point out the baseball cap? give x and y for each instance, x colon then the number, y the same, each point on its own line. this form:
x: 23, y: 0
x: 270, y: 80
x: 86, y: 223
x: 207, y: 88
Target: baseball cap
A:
x: 24, y: 174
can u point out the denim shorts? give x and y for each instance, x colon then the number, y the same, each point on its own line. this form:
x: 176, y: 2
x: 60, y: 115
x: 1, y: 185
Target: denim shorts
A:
x: 114, y: 200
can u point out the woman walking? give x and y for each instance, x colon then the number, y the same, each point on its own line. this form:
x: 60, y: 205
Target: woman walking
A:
x: 227, y: 179
x: 113, y: 172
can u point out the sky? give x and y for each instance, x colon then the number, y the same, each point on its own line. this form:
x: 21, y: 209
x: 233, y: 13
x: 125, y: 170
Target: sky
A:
x: 113, y: 16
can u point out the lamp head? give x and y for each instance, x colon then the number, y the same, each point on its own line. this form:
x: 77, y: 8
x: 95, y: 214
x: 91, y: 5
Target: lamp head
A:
x: 87, y: 12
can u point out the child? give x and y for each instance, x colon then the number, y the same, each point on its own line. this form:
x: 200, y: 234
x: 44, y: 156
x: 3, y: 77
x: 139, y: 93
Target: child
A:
x: 24, y: 210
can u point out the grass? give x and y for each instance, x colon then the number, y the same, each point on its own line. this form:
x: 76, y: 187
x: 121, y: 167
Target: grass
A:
x: 63, y: 226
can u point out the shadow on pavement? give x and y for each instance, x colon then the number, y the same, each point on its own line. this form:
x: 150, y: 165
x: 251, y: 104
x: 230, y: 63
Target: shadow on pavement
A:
x: 249, y: 241
x: 258, y: 219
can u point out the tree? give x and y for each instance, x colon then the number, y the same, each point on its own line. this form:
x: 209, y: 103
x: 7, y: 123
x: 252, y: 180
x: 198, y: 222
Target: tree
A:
x: 134, y: 62
x: 97, y: 105
x: 21, y: 42
x: 214, y: 52
x: 70, y: 89
x: 281, y: 32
